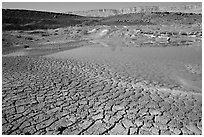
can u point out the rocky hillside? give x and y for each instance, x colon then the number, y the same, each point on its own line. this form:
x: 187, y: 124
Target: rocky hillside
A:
x: 15, y: 19
x: 155, y: 18
x: 193, y: 8
x: 31, y: 20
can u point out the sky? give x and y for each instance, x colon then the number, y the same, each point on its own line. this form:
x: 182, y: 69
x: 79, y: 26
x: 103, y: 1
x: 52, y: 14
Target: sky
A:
x: 77, y: 6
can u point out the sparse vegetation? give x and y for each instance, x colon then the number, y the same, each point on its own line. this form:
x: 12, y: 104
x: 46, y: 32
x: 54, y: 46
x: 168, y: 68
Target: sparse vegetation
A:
x: 26, y: 46
x: 29, y: 38
x: 19, y: 36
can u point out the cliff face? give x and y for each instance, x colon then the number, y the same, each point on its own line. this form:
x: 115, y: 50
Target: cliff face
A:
x: 194, y: 8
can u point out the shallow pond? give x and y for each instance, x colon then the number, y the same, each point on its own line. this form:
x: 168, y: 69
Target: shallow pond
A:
x: 158, y: 65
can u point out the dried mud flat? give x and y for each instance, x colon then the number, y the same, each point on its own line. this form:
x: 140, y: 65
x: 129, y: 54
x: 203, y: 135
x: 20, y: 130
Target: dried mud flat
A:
x: 89, y: 87
x: 70, y: 96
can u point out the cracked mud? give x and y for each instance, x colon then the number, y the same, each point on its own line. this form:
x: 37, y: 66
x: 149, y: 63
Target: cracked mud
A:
x: 76, y: 97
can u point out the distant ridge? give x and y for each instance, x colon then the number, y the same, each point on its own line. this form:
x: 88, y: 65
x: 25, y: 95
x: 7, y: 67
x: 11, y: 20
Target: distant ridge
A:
x: 17, y: 19
x: 192, y: 8
x: 31, y: 20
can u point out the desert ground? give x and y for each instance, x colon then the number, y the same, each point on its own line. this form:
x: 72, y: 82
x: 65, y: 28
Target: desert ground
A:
x: 103, y: 80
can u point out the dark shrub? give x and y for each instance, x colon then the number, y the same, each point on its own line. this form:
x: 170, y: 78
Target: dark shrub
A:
x: 29, y: 38
x: 26, y: 46
x: 19, y: 36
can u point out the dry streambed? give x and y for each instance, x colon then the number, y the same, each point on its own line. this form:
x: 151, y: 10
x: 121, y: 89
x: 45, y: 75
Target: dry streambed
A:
x: 70, y: 96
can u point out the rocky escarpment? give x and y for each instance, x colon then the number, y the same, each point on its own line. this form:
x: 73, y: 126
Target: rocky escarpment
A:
x: 193, y: 8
